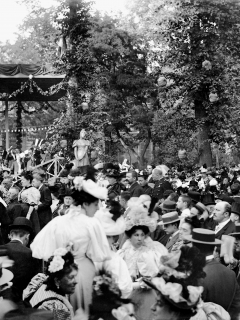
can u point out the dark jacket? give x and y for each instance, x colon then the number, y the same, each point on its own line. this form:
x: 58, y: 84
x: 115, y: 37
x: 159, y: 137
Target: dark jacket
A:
x: 135, y: 190
x: 147, y: 190
x: 220, y: 286
x: 160, y: 187
x: 24, y: 269
x: 15, y: 210
x: 227, y: 229
x: 171, y: 241
x: 4, y: 221
x: 114, y: 190
x: 44, y: 209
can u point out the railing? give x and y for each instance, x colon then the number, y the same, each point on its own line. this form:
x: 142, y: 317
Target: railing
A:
x: 53, y: 162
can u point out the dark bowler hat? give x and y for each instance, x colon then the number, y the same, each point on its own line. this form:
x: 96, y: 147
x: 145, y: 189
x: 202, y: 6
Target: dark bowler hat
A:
x: 225, y: 197
x: 21, y: 223
x: 66, y: 193
x: 236, y: 234
x: 203, y: 236
x: 208, y: 199
x: 112, y: 173
x: 235, y: 208
x: 170, y: 217
x: 194, y: 196
x: 169, y: 205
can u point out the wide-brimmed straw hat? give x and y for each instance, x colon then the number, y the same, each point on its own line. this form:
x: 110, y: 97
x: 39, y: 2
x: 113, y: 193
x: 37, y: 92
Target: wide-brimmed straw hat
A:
x: 170, y: 217
x: 203, y: 236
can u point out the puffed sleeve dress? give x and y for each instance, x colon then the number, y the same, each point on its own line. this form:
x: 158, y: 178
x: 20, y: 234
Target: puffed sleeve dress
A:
x: 143, y: 262
x: 89, y: 243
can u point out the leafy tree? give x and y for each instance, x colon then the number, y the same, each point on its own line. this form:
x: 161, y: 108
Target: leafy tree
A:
x: 195, y: 53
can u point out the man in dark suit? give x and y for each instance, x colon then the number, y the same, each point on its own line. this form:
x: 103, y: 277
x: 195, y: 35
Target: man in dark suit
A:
x: 44, y: 208
x: 25, y: 266
x: 220, y: 284
x: 135, y: 189
x: 221, y: 215
x: 171, y: 223
x: 160, y: 184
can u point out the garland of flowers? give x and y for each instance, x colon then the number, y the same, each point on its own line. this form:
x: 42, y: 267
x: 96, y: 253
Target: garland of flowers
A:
x: 30, y: 84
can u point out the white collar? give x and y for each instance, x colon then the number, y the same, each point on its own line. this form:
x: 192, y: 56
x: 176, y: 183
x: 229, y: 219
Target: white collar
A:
x: 174, y: 234
x: 221, y: 225
x: 209, y: 258
x: 15, y: 239
x: 40, y: 186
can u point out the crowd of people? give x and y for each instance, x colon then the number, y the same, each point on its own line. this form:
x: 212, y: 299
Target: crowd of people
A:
x: 118, y: 243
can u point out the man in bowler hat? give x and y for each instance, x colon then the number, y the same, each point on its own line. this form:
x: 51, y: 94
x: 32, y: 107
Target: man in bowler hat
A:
x: 25, y: 267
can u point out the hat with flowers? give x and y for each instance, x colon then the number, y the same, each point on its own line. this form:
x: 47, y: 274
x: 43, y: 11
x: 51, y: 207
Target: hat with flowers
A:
x: 179, y: 278
x: 138, y: 214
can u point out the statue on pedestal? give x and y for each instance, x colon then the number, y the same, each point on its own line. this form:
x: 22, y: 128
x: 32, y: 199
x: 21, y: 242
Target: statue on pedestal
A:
x: 81, y: 151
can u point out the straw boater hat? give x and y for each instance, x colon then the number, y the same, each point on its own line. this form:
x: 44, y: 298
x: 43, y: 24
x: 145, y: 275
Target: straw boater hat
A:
x: 169, y: 206
x: 170, y: 217
x: 203, y: 236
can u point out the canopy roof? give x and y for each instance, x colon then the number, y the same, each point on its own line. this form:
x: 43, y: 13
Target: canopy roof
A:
x: 13, y: 76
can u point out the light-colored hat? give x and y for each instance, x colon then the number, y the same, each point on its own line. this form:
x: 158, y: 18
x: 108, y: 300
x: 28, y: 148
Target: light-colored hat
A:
x: 170, y: 217
x: 203, y: 170
x: 91, y: 187
x: 111, y: 227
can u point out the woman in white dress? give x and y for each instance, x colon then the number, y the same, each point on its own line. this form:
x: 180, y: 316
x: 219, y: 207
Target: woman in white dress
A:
x: 84, y: 232
x: 114, y: 225
x: 142, y: 256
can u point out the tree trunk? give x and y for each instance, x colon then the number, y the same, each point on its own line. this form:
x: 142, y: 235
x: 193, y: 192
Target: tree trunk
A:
x: 19, y: 126
x: 204, y: 147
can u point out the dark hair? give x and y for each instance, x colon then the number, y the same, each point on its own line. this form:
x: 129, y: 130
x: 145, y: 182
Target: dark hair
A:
x: 91, y: 171
x: 205, y: 249
x: 144, y: 176
x: 115, y: 209
x: 130, y: 232
x: 19, y: 232
x: 27, y: 175
x: 125, y: 195
x: 81, y: 197
x: 68, y: 266
x: 193, y: 222
x: 173, y: 197
x: 176, y: 223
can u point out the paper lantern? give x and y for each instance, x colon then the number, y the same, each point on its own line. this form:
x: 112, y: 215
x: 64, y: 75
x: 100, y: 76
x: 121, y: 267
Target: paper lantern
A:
x: 84, y: 105
x: 213, y: 97
x: 182, y: 154
x: 207, y: 65
x: 162, y: 82
x: 63, y: 143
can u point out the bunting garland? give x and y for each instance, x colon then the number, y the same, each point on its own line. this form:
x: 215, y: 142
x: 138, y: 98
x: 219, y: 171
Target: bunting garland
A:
x: 25, y: 129
x: 30, y: 84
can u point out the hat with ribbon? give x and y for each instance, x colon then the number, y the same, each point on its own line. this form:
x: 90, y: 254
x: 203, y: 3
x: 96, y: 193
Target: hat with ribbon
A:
x: 203, y: 236
x: 21, y: 223
x: 170, y: 217
x: 169, y: 205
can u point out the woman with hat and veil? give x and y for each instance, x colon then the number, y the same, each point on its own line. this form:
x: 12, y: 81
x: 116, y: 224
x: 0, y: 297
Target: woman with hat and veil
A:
x: 83, y: 232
